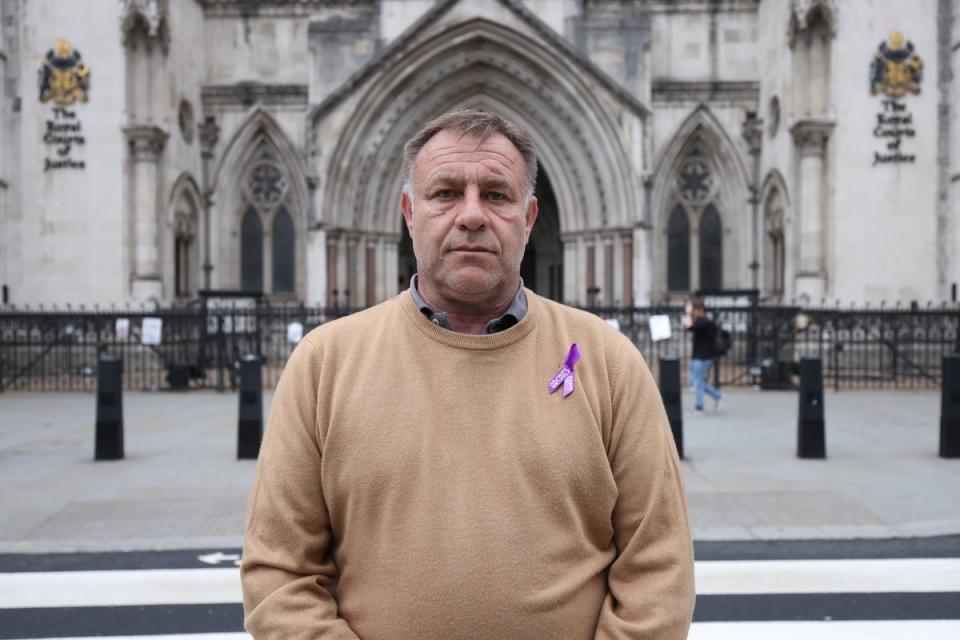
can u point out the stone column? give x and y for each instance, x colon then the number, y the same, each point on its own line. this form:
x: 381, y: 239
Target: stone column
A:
x: 332, y: 266
x: 316, y: 289
x: 571, y: 272
x: 391, y: 251
x: 642, y: 267
x: 810, y: 138
x: 209, y: 133
x: 146, y: 148
x: 616, y: 296
x: 753, y: 134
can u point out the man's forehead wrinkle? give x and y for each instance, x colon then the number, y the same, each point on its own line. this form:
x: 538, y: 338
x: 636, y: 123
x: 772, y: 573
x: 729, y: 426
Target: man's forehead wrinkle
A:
x: 496, y: 162
x: 441, y: 169
x: 456, y: 150
x: 445, y: 176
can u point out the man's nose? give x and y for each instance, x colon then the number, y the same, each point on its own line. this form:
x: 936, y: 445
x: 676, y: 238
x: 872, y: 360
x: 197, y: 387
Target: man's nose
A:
x: 472, y: 215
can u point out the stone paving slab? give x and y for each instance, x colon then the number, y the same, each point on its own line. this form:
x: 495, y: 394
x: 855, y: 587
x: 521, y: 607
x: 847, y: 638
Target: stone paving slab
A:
x: 180, y: 485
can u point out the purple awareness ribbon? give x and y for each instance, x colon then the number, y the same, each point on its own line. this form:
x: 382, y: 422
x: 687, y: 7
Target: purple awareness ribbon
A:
x: 565, y: 375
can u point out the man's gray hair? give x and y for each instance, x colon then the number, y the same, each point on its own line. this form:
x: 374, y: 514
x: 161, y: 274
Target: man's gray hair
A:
x: 478, y: 124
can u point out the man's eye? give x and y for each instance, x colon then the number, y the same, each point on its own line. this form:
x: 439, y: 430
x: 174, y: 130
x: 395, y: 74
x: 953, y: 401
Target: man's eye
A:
x: 496, y: 196
x: 444, y: 194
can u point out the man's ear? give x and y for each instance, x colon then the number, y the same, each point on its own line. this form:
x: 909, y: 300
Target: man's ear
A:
x: 533, y: 211
x: 406, y: 206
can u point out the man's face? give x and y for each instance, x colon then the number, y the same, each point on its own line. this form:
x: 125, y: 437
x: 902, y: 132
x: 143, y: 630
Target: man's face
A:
x: 468, y: 221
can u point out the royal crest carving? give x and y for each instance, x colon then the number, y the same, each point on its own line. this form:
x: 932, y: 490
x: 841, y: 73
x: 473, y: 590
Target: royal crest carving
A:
x: 896, y: 69
x: 63, y: 78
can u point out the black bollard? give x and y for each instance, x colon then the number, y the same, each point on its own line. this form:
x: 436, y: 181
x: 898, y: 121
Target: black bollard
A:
x: 950, y: 408
x: 671, y: 396
x: 250, y: 427
x: 109, y: 435
x: 811, y: 431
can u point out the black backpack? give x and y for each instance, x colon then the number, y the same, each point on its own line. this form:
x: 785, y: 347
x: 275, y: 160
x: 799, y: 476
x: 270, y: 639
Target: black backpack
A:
x: 721, y: 342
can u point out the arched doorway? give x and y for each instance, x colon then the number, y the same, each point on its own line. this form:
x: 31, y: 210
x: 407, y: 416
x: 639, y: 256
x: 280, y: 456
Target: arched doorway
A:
x: 591, y: 152
x: 542, y: 267
x: 407, y: 260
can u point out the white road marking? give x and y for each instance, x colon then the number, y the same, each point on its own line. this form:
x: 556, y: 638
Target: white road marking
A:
x: 179, y: 636
x: 828, y: 576
x: 212, y: 586
x: 119, y: 588
x: 843, y: 630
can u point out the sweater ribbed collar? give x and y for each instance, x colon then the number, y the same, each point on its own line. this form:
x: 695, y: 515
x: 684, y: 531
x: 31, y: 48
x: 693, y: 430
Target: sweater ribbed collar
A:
x: 469, y: 341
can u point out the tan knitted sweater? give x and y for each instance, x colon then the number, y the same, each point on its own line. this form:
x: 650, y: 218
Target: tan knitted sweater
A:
x: 417, y: 484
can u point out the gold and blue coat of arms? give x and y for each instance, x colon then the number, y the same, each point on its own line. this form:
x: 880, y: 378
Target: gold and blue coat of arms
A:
x: 64, y: 78
x: 896, y: 68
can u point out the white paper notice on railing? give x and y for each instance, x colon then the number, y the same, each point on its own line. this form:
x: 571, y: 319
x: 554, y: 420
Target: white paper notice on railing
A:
x: 122, y: 329
x: 660, y: 327
x: 294, y: 332
x: 151, y: 331
x: 613, y: 322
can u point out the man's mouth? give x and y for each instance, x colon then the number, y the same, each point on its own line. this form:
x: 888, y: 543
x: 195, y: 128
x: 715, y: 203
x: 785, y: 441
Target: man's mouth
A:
x: 472, y: 249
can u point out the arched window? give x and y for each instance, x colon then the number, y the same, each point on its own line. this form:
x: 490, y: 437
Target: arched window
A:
x: 283, y: 252
x: 678, y: 251
x: 267, y: 259
x: 251, y: 251
x: 185, y: 254
x: 694, y: 229
x: 774, y: 252
x: 182, y: 267
x: 711, y: 250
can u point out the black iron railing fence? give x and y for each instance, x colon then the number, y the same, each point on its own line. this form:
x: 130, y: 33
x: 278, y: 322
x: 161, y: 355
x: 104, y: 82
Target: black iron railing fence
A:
x: 198, y: 347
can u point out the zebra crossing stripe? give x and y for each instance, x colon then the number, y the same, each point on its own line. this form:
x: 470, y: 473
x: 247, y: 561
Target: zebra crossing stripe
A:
x: 858, y: 630
x: 845, y: 630
x: 178, y: 636
x: 744, y: 577
x: 50, y: 589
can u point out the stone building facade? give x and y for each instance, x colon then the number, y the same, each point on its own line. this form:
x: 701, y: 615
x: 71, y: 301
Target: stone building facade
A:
x: 151, y: 149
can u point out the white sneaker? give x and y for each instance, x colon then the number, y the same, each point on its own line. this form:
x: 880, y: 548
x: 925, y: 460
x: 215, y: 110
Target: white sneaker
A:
x: 717, y: 401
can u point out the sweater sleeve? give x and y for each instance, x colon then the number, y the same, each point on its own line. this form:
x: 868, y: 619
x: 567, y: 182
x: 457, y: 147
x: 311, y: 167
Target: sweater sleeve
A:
x: 287, y: 574
x: 650, y: 593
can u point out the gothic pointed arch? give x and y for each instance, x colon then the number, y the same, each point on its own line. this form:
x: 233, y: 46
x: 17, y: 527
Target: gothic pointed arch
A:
x: 185, y: 193
x: 182, y: 239
x: 260, y: 170
x: 703, y: 171
x: 476, y: 64
x: 776, y: 236
x: 589, y: 132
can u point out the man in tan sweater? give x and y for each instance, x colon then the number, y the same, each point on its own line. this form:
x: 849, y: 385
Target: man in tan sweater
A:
x: 468, y: 460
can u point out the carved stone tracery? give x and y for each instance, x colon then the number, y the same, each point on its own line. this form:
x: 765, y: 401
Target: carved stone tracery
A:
x: 149, y: 17
x: 803, y: 10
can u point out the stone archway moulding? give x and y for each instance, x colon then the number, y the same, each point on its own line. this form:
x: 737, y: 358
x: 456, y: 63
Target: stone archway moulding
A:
x: 478, y: 64
x: 185, y: 198
x: 774, y: 180
x: 258, y: 130
x: 731, y: 163
x: 184, y: 189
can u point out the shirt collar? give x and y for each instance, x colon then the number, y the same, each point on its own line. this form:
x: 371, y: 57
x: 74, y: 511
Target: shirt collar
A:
x: 514, y: 313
